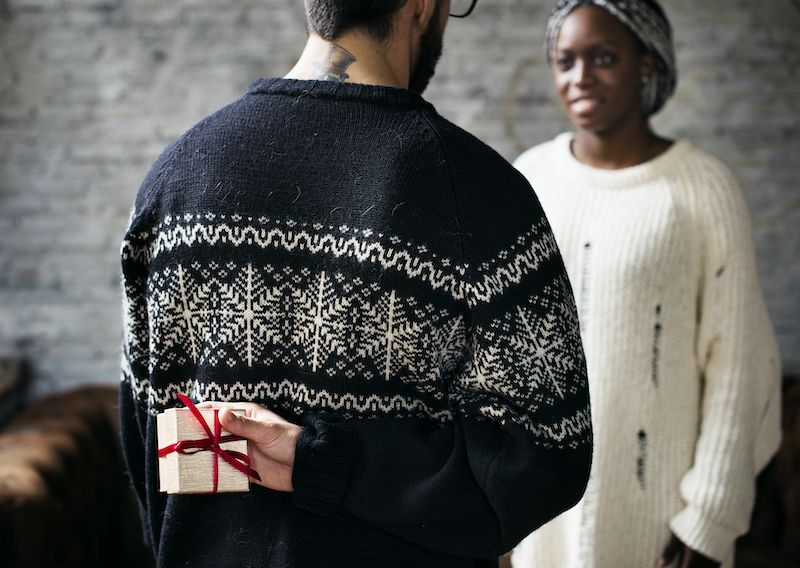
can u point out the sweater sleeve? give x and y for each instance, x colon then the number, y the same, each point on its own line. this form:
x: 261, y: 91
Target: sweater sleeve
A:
x: 517, y: 449
x: 738, y: 358
x: 134, y: 366
x: 135, y: 256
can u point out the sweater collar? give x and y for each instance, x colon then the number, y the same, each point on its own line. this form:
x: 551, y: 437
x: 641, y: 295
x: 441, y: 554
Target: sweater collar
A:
x: 625, y: 177
x: 336, y: 90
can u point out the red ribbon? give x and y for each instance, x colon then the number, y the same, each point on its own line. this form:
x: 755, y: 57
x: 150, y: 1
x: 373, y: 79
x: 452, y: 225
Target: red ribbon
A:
x: 211, y: 443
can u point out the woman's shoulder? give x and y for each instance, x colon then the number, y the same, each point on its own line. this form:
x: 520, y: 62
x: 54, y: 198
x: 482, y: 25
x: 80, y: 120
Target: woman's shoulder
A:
x: 706, y: 167
x: 710, y: 191
x: 542, y: 154
x: 708, y: 179
x: 537, y: 163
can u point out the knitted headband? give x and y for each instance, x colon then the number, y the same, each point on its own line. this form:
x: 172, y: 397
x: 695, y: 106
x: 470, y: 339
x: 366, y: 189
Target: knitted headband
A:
x: 647, y: 21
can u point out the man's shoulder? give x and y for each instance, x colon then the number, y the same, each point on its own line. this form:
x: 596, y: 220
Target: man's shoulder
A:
x: 463, y: 146
x: 214, y: 131
x: 479, y: 172
x: 491, y: 196
x: 181, y: 156
x: 217, y: 127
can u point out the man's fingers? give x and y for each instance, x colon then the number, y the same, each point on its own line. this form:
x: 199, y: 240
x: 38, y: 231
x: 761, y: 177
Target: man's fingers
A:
x: 251, y: 409
x: 213, y: 404
x: 265, y: 433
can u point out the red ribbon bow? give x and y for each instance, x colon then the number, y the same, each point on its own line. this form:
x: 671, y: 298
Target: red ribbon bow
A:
x: 211, y: 443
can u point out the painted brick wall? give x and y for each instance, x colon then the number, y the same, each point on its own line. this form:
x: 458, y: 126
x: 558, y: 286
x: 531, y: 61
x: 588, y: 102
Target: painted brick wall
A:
x: 91, y: 90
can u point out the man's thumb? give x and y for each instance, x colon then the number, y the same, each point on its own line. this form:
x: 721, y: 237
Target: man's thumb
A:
x: 236, y: 424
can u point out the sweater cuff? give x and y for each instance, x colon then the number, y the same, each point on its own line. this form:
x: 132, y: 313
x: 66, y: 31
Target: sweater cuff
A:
x: 321, y: 464
x: 700, y: 533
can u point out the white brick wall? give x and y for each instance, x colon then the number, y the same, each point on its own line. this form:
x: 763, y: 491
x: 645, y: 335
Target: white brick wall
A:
x: 91, y: 90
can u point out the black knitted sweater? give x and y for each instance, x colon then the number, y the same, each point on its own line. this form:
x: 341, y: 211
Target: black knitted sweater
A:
x: 351, y: 260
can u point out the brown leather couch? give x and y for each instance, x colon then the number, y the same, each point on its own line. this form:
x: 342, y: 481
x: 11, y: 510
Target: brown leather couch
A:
x: 65, y: 500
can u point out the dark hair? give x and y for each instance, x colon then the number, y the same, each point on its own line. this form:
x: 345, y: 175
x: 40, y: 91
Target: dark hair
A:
x: 330, y: 18
x: 660, y: 11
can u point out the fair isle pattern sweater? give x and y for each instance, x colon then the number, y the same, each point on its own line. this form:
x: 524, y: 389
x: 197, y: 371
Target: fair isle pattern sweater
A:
x: 344, y: 256
x: 682, y: 360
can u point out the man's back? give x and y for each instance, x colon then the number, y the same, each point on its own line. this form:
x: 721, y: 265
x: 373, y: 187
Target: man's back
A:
x: 347, y: 258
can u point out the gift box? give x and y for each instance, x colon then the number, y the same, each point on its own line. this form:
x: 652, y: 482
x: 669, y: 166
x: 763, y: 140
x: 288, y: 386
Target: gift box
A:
x: 197, y: 456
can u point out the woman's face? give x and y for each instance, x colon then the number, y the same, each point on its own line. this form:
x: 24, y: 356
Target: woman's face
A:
x: 598, y: 70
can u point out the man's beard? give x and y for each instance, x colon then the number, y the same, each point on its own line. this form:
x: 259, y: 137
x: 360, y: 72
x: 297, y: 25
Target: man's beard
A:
x: 430, y: 50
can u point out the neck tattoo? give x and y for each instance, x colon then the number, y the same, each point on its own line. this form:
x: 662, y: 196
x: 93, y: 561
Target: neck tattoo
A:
x: 333, y: 66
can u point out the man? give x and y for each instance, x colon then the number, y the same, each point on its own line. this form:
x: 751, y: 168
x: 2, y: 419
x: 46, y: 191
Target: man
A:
x: 383, y: 287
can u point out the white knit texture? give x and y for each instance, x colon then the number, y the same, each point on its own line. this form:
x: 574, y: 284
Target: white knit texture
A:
x: 684, y: 372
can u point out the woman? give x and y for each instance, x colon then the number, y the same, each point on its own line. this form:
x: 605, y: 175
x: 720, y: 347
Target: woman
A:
x: 682, y: 360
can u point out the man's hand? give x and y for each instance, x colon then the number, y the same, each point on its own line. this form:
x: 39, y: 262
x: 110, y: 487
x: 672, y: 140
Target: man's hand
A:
x: 271, y: 441
x: 685, y: 556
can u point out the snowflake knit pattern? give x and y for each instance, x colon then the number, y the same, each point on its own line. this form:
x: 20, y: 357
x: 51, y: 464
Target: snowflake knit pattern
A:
x: 344, y: 256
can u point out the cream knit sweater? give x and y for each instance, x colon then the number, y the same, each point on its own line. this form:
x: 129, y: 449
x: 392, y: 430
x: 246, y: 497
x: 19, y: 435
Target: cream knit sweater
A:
x: 682, y: 360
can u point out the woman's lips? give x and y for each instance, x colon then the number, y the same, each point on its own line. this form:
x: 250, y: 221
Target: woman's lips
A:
x: 584, y: 105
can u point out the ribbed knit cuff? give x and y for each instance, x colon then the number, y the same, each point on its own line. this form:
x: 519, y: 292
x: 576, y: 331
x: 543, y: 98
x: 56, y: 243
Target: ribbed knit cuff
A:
x: 702, y: 534
x: 321, y: 464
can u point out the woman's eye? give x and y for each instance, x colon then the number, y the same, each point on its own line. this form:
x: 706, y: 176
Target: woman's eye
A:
x: 604, y: 59
x: 564, y: 63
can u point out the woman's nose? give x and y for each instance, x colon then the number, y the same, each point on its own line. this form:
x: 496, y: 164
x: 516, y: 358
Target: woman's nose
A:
x: 581, y: 73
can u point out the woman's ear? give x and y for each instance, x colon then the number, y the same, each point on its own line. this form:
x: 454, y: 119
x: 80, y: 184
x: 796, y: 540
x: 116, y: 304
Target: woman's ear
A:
x: 647, y: 68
